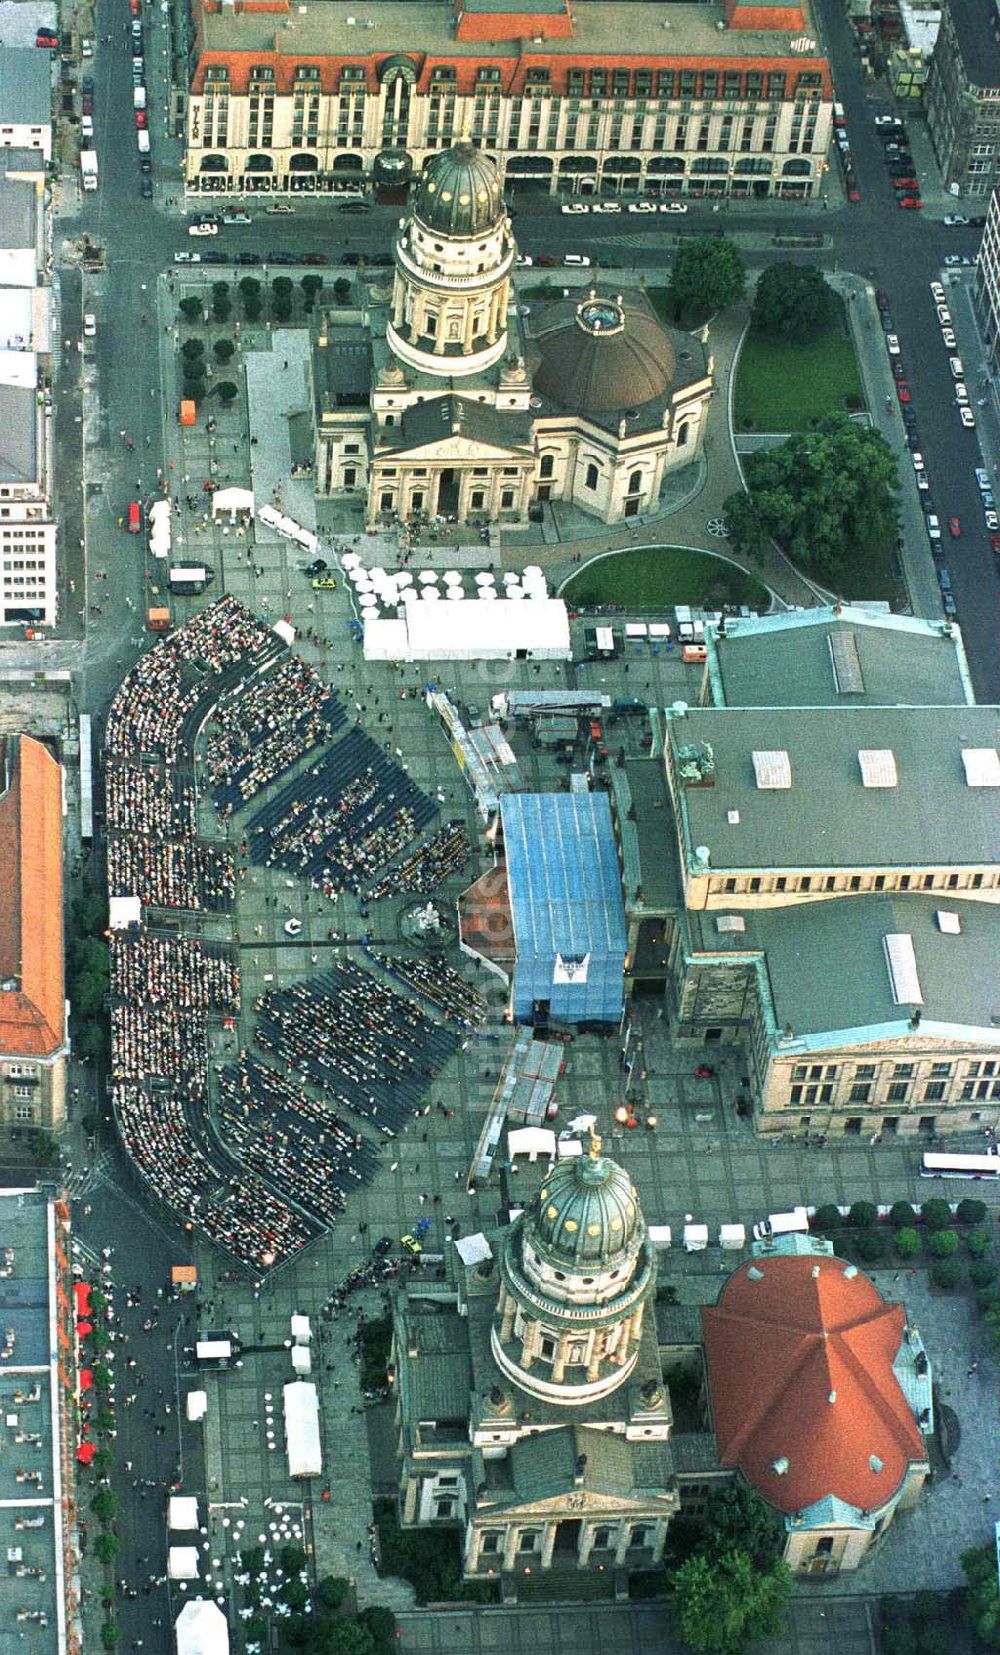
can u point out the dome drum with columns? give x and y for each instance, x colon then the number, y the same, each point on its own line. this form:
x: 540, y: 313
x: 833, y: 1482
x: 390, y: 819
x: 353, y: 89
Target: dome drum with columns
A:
x: 589, y: 400
x: 575, y: 1272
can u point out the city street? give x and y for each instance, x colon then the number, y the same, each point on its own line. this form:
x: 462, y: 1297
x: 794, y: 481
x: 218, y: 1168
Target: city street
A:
x: 703, y: 1160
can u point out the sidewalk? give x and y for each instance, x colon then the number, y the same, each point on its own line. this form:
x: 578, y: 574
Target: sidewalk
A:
x: 876, y: 376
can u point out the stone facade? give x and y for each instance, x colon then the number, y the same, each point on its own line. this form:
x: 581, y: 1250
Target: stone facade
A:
x: 557, y: 1449
x: 439, y: 398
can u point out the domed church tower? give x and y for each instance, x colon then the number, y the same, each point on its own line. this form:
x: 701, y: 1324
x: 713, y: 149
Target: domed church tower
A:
x: 576, y: 1272
x: 454, y: 257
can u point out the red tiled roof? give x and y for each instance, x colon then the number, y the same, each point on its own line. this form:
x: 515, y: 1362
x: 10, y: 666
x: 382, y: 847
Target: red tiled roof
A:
x: 32, y: 1013
x: 779, y: 1348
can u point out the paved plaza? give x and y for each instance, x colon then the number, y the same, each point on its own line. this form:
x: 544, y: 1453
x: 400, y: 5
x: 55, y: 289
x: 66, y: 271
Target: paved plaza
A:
x: 701, y: 1159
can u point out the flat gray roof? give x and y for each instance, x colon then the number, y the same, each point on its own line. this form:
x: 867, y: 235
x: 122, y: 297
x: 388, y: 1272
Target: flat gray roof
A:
x: 27, y: 1470
x: 826, y: 961
x: 855, y: 659
x: 600, y: 27
x: 18, y: 213
x: 18, y: 449
x: 975, y: 23
x: 25, y: 86
x: 827, y: 817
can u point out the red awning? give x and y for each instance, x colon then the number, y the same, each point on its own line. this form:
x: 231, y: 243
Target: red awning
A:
x: 84, y: 1328
x: 81, y: 1293
x: 85, y: 1453
x: 86, y: 1379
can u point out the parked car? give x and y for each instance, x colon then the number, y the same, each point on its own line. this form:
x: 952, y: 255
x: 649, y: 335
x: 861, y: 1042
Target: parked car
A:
x: 215, y: 257
x: 576, y: 258
x: 205, y: 229
x: 606, y: 207
x: 903, y: 391
x: 642, y: 206
x: 892, y: 344
x: 912, y: 202
x: 89, y: 326
x: 933, y: 527
x: 525, y: 261
x: 574, y: 207
x: 673, y: 207
x: 954, y: 527
x: 145, y: 186
x: 956, y: 218
x: 324, y: 583
x: 982, y: 479
x: 546, y: 259
x: 962, y: 392
x: 185, y: 257
x: 995, y: 543
x: 918, y: 462
x: 280, y: 258
x: 948, y: 338
x: 47, y: 39
x: 992, y: 520
x: 967, y: 418
x: 248, y: 258
x: 944, y: 315
x: 236, y: 216
x: 953, y: 259
x: 937, y: 293
x: 314, y: 258
x: 279, y: 207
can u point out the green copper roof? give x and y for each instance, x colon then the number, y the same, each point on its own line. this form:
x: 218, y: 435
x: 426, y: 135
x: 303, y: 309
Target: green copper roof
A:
x: 460, y: 192
x: 586, y: 1215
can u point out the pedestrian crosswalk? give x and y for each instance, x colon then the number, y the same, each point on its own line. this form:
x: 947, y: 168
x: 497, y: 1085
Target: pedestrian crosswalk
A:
x: 86, y: 1179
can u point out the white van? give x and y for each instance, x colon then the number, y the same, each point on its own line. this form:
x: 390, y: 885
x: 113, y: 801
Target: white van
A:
x: 142, y: 139
x: 87, y: 128
x: 138, y: 97
x: 955, y: 364
x: 781, y: 1224
x: 576, y: 258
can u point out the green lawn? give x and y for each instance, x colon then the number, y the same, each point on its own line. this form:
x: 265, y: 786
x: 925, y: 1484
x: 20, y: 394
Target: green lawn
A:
x: 861, y: 575
x: 781, y: 385
x: 659, y: 577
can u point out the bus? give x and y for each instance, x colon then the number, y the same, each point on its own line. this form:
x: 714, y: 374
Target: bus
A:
x: 935, y: 1165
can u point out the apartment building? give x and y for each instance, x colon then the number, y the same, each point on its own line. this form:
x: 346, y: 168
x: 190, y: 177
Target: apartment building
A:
x: 963, y: 97
x: 987, y: 289
x: 34, y: 1037
x: 624, y: 97
x: 28, y: 585
x: 827, y: 892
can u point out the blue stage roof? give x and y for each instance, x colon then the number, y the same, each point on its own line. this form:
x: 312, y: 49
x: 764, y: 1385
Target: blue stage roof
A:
x: 566, y: 904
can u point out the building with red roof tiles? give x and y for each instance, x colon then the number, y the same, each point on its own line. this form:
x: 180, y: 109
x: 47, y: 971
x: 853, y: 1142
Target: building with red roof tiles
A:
x: 33, y: 1033
x: 821, y: 1395
x: 607, y: 96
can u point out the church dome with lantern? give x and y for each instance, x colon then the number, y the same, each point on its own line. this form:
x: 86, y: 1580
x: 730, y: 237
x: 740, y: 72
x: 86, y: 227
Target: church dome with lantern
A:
x: 460, y: 192
x: 576, y: 1271
x: 587, y: 1215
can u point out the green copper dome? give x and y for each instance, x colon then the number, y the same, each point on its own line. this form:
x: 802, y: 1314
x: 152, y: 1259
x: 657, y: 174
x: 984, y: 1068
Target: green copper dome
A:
x: 460, y: 192
x: 586, y: 1214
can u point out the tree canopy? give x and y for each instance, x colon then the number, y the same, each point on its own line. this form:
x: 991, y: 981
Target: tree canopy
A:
x: 708, y: 273
x: 982, y: 1596
x: 726, y: 1603
x: 820, y: 494
x: 736, y: 1517
x: 793, y: 301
